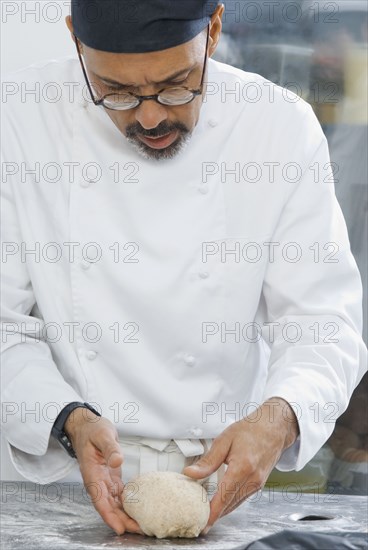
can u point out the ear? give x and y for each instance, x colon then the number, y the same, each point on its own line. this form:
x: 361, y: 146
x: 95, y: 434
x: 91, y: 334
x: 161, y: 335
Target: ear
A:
x: 69, y: 24
x: 215, y: 28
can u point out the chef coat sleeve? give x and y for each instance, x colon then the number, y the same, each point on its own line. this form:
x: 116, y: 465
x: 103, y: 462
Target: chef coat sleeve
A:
x: 312, y: 296
x: 32, y: 389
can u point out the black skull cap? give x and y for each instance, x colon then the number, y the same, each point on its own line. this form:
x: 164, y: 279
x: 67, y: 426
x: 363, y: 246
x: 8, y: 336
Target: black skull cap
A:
x: 139, y: 26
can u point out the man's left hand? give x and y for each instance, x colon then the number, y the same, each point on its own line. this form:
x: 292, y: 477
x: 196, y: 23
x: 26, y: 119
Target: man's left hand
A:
x: 250, y: 447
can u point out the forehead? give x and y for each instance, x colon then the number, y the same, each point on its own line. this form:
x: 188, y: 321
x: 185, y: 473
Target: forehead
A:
x: 143, y: 68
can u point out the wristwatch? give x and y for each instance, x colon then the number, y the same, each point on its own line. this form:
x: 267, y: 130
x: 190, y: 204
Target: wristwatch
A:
x: 58, y: 428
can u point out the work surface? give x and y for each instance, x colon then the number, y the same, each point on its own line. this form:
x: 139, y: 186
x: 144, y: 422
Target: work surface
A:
x: 60, y: 515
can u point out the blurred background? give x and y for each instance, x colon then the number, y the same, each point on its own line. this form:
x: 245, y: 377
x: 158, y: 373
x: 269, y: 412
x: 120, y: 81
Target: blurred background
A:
x: 318, y: 49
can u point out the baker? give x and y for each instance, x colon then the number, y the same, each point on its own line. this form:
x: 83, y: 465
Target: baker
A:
x: 178, y: 286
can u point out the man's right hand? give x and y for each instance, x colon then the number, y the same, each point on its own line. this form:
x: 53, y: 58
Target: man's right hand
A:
x: 95, y: 441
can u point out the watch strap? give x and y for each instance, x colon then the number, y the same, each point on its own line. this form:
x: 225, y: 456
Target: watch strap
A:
x: 58, y: 428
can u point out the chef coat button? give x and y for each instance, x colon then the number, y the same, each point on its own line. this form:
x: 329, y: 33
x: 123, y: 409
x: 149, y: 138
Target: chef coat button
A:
x: 197, y: 432
x: 85, y: 265
x: 91, y: 355
x: 203, y: 189
x: 212, y: 122
x: 204, y: 274
x: 189, y: 360
x: 86, y: 182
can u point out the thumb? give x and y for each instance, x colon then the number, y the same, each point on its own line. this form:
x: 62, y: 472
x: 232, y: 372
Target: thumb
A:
x: 112, y: 453
x: 209, y: 462
x: 115, y: 459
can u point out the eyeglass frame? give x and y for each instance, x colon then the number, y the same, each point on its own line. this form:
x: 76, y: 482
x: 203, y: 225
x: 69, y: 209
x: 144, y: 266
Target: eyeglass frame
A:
x: 142, y: 98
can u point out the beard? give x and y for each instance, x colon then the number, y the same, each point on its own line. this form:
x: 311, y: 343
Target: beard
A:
x: 133, y: 131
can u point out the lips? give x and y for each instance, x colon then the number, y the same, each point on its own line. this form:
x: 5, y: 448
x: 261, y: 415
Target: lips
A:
x: 160, y: 142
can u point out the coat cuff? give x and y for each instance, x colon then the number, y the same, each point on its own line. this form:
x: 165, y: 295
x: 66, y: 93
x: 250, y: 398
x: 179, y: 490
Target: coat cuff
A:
x: 28, y: 416
x: 52, y: 466
x: 299, y: 453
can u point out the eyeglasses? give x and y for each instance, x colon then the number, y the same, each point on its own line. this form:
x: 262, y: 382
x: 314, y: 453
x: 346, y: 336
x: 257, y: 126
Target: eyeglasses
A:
x: 122, y: 101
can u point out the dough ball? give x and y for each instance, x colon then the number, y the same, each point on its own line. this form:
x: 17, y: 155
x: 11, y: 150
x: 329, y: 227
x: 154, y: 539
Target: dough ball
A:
x: 167, y: 504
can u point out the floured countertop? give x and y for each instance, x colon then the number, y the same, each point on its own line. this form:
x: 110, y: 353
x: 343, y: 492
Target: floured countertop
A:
x: 60, y: 515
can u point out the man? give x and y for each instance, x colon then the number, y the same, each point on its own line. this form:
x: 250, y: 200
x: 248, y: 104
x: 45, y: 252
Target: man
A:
x: 191, y: 279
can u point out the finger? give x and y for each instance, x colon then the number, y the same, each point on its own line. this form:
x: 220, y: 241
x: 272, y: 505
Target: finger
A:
x: 117, y: 486
x: 247, y: 490
x: 229, y: 488
x: 105, y: 493
x: 235, y: 503
x: 211, y: 461
x: 101, y: 481
x: 117, y: 519
x: 110, y: 509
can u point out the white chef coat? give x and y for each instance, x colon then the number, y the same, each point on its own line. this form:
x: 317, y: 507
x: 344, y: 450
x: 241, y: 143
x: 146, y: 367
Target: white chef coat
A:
x: 145, y: 335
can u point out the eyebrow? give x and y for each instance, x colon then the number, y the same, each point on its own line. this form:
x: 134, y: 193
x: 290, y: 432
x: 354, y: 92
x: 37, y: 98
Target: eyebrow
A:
x: 168, y: 79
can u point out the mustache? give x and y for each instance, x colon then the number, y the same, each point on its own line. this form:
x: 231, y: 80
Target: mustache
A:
x: 135, y: 129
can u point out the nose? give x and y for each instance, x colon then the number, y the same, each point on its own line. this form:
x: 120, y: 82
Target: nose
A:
x: 150, y: 113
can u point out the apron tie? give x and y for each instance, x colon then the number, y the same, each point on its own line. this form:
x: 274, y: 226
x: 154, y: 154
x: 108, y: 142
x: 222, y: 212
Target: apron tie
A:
x: 154, y: 455
x: 190, y: 447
